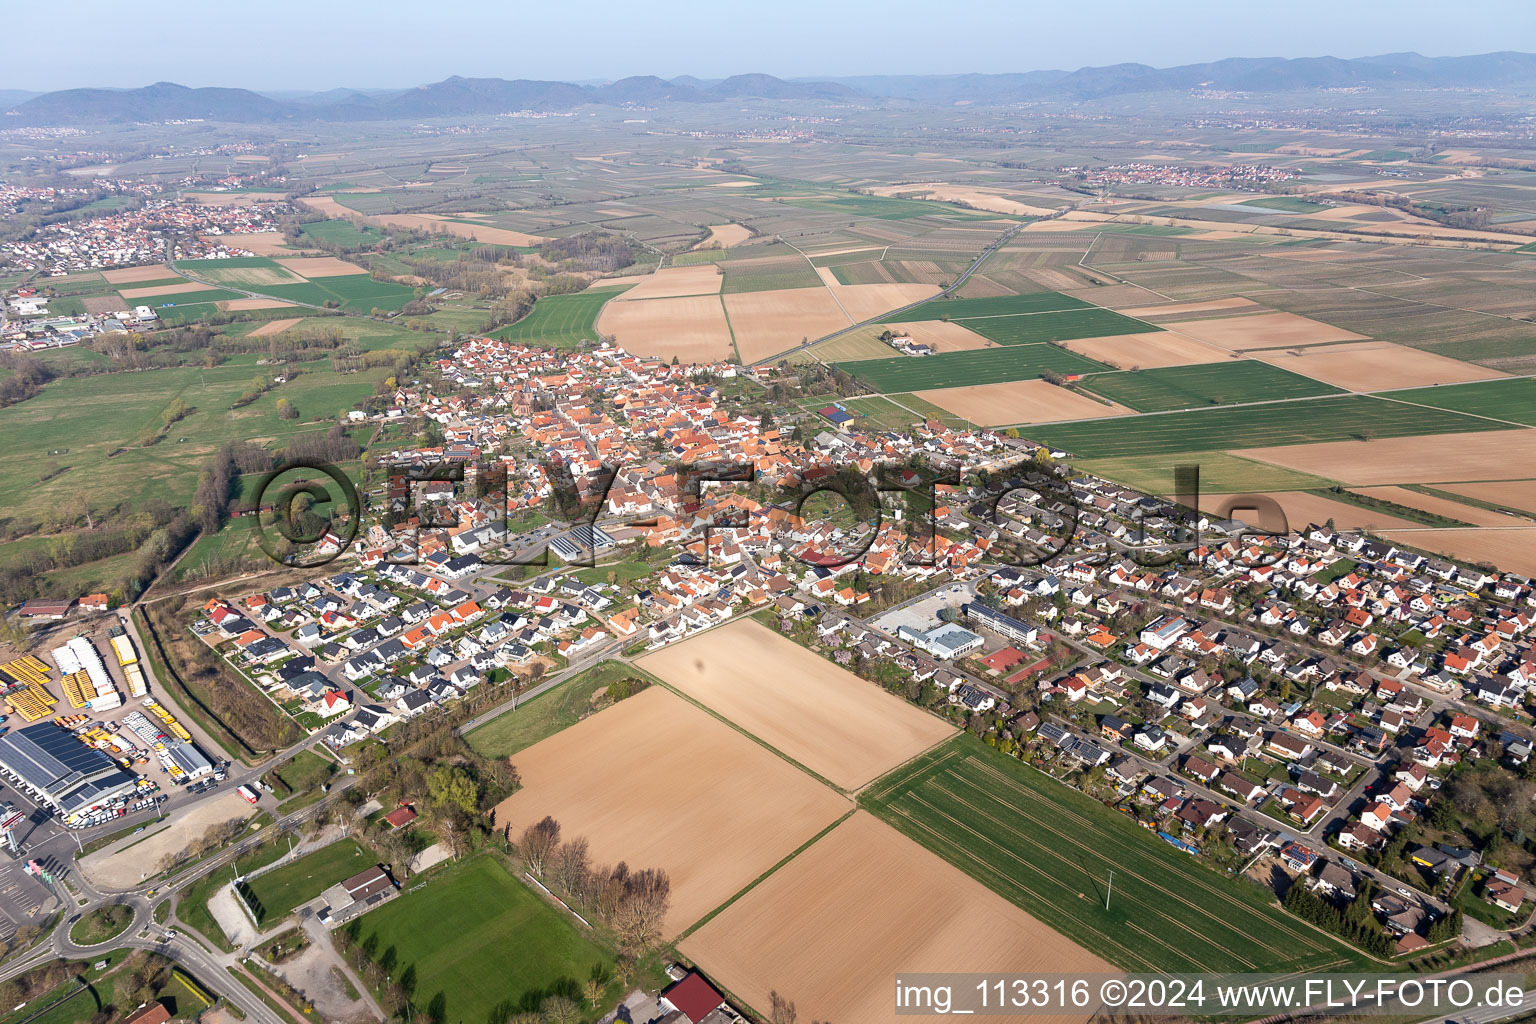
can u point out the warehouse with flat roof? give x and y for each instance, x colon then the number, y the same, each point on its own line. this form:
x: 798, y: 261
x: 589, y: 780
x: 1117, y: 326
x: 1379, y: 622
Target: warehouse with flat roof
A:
x: 51, y: 764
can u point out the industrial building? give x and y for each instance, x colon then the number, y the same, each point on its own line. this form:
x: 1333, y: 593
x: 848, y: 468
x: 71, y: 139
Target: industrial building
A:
x: 945, y: 641
x: 52, y: 765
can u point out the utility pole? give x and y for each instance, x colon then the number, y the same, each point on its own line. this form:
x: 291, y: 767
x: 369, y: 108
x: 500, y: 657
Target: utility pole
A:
x: 1111, y: 891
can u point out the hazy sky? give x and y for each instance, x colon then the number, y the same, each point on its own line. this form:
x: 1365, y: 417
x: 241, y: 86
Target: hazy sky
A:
x: 320, y: 44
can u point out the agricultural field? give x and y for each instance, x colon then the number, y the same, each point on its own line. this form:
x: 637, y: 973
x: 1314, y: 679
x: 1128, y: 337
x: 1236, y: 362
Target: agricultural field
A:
x: 474, y: 910
x: 1001, y: 305
x: 962, y: 369
x: 1513, y: 399
x: 1186, y: 387
x: 812, y: 711
x: 1021, y: 401
x: 560, y: 321
x: 863, y: 904
x: 1300, y: 422
x: 1049, y: 849
x: 316, y: 281
x: 775, y: 273
x: 1376, y: 366
x: 1485, y: 452
x: 342, y: 233
x: 1032, y: 328
x: 674, y: 788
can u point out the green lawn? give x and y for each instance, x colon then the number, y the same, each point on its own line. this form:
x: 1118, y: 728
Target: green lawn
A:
x: 991, y: 305
x: 975, y: 366
x: 561, y: 321
x: 1049, y: 849
x: 279, y: 891
x: 479, y: 940
x: 1186, y: 387
x: 546, y: 714
x: 308, y: 770
x: 1512, y: 399
x: 101, y: 924
x: 1254, y: 426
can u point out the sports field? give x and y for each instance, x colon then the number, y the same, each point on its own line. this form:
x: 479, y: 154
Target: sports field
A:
x: 562, y: 321
x: 481, y: 939
x: 1049, y: 849
x: 1513, y: 399
x: 1186, y: 387
x: 279, y: 891
x: 1298, y: 422
x: 962, y: 369
x: 995, y: 305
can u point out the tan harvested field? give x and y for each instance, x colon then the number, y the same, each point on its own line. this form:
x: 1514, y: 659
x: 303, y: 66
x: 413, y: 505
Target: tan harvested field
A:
x: 1303, y: 509
x: 1510, y: 549
x: 1376, y: 366
x: 1489, y: 455
x: 1020, y: 401
x: 237, y: 304
x: 1146, y: 350
x: 165, y: 289
x: 257, y: 243
x: 126, y: 869
x: 691, y: 327
x: 320, y: 266
x: 671, y: 282
x: 766, y: 323
x: 865, y: 301
x: 103, y: 304
x: 723, y: 236
x: 656, y: 782
x: 275, y: 327
x: 1262, y: 330
x: 1059, y: 224
x: 1519, y: 494
x: 130, y: 275
x: 1176, y: 308
x: 430, y: 222
x: 943, y: 335
x: 1469, y: 514
x: 831, y: 929
x: 841, y: 727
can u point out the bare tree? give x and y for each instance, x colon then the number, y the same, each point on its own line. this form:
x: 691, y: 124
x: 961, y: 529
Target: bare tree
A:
x: 780, y: 1010
x: 570, y: 866
x: 538, y: 842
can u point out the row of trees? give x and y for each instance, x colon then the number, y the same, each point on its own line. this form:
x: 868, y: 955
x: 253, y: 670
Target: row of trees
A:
x: 1356, y: 922
x: 633, y: 903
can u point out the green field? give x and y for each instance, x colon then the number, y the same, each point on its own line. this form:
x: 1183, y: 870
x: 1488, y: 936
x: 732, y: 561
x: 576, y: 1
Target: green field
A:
x: 560, y: 321
x: 1290, y: 204
x: 1186, y: 387
x: 479, y: 939
x: 356, y: 292
x: 86, y: 419
x: 1512, y: 399
x: 276, y: 893
x: 342, y: 233
x: 1049, y: 849
x: 1253, y: 426
x: 975, y: 366
x: 768, y: 275
x: 883, y: 208
x: 992, y: 305
x: 546, y: 714
x: 1030, y: 328
x: 185, y: 298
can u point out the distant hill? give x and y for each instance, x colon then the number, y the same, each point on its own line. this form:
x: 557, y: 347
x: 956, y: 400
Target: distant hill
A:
x: 456, y: 96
